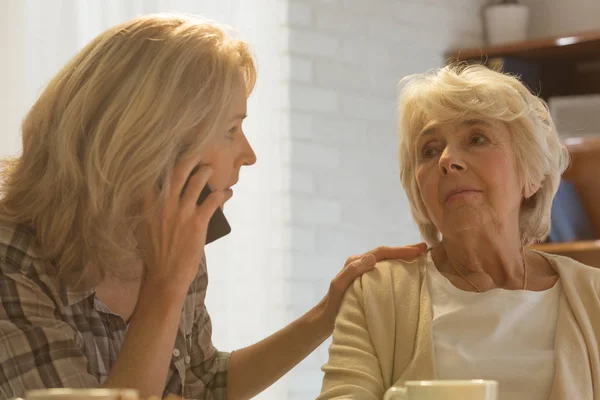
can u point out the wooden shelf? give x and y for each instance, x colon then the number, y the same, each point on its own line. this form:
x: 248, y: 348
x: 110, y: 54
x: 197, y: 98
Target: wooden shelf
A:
x: 557, y: 66
x: 581, y: 146
x: 569, y: 247
x: 581, y: 46
x: 586, y: 252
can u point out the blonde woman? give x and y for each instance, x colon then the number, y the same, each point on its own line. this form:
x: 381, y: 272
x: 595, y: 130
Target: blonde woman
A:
x: 480, y: 161
x: 102, y: 277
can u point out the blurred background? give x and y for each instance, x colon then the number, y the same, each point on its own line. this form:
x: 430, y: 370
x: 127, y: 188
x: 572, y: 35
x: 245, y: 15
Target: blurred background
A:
x: 322, y: 121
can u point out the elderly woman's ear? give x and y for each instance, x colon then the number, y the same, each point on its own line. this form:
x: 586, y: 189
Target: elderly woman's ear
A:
x: 531, y: 188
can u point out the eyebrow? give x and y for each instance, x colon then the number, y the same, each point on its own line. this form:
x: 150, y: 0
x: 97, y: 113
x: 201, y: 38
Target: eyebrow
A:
x: 428, y: 130
x: 469, y: 122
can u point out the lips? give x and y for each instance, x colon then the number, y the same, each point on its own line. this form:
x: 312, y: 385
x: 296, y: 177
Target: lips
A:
x: 460, y: 190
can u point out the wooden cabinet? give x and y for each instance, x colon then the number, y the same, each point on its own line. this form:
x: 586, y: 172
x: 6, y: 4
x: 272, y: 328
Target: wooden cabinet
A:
x: 584, y: 173
x: 559, y: 66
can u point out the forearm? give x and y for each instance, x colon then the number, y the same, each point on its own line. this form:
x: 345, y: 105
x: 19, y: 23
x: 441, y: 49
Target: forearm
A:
x: 255, y: 368
x: 143, y: 361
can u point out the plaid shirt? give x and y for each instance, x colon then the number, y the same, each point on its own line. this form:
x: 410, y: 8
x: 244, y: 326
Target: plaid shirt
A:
x: 50, y: 337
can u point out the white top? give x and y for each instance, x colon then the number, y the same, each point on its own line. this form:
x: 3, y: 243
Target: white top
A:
x: 503, y: 335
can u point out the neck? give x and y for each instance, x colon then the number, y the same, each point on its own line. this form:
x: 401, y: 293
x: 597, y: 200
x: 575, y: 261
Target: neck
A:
x: 127, y: 273
x: 496, y: 253
x: 120, y: 289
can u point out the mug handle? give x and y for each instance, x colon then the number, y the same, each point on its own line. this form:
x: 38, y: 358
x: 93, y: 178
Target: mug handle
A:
x: 395, y: 393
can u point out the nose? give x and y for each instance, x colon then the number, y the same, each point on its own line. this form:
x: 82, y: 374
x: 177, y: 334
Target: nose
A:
x: 248, y: 157
x: 451, y: 161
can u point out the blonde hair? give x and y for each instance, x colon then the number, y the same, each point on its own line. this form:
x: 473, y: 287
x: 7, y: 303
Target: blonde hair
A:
x: 458, y: 92
x: 110, y: 125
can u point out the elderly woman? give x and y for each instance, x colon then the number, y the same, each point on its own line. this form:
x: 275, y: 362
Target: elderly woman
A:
x: 480, y: 160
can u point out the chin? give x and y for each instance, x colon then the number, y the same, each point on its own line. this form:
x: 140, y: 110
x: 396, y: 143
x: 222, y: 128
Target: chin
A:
x: 464, y: 220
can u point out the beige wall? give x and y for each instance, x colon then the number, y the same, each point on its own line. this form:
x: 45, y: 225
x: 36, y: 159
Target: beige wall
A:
x: 563, y: 17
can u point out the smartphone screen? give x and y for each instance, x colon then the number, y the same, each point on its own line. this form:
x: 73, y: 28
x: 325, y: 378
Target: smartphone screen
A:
x: 218, y: 225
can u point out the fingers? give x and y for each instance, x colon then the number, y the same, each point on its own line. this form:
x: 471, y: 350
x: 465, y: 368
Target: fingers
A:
x: 421, y: 245
x: 196, y: 182
x: 353, y: 258
x: 392, y: 253
x: 357, y: 265
x: 208, y: 207
x: 403, y: 253
x: 178, y: 180
x: 180, y: 176
x: 352, y: 271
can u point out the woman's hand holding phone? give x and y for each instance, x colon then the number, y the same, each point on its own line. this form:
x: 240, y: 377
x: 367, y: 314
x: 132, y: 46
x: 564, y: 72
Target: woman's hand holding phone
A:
x: 172, y: 239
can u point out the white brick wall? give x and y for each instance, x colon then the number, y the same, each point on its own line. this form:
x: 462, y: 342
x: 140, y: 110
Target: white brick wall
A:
x: 346, y: 57
x: 313, y: 99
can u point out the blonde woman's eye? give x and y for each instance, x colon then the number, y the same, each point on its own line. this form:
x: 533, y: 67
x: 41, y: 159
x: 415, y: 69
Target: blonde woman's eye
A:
x: 428, y: 152
x: 478, y: 139
x: 231, y: 132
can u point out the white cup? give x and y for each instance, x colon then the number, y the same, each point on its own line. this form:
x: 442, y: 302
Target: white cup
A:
x: 82, y: 394
x: 444, y: 389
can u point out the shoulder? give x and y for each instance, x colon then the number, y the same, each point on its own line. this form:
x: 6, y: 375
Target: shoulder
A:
x: 386, y: 299
x: 392, y: 278
x: 22, y: 269
x: 571, y: 268
x: 18, y: 248
x: 395, y: 271
x: 581, y: 278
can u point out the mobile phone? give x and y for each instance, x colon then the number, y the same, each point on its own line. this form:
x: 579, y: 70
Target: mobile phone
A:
x: 218, y: 226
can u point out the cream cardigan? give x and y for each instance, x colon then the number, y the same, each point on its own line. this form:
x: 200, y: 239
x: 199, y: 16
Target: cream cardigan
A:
x: 383, y: 337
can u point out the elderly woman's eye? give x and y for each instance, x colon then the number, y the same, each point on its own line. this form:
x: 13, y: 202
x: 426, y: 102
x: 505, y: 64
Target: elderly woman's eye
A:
x: 478, y: 139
